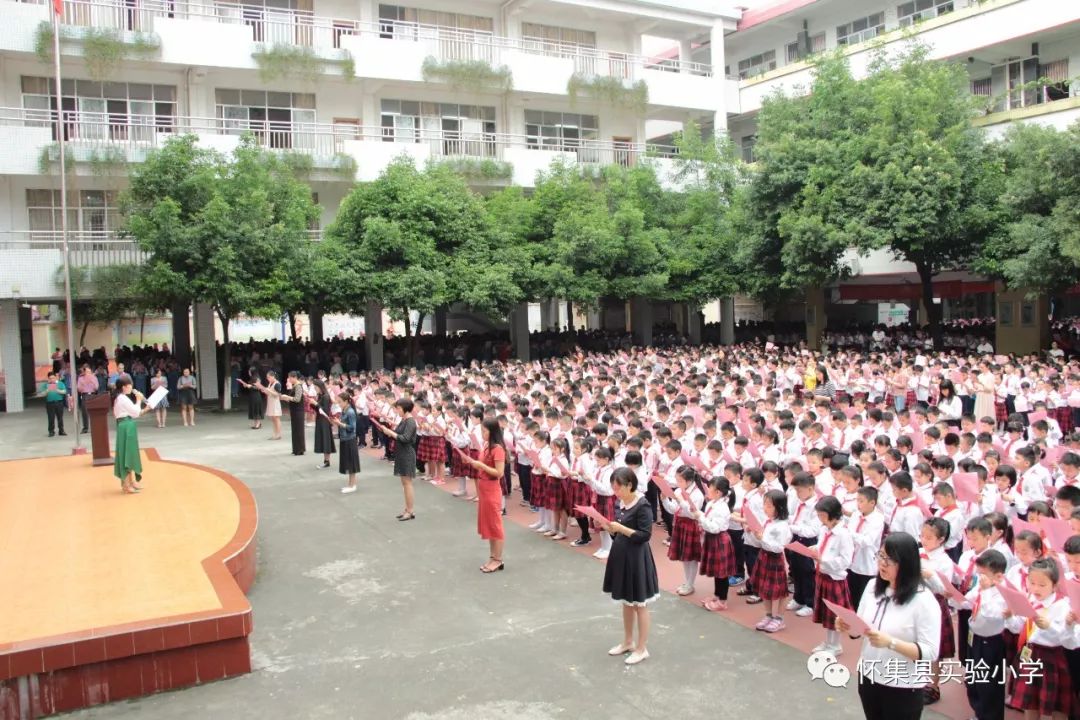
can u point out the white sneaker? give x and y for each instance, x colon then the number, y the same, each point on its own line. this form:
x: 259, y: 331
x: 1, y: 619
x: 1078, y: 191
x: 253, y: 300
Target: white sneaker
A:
x: 821, y: 647
x: 685, y: 590
x: 836, y: 650
x: 558, y: 536
x: 348, y: 490
x: 601, y: 554
x: 805, y: 611
x: 536, y: 526
x: 792, y: 605
x: 636, y: 657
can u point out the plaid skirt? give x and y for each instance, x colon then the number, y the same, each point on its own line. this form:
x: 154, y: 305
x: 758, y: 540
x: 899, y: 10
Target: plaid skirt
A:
x: 1063, y: 415
x: 685, y: 540
x: 947, y: 647
x: 432, y: 448
x: 605, y: 505
x: 909, y: 399
x: 457, y: 467
x: 717, y: 555
x: 835, y: 591
x: 842, y: 398
x: 769, y: 578
x: 553, y: 494
x: 568, y: 495
x: 538, y: 489
x: 1051, y: 690
x: 1000, y: 414
x: 581, y: 494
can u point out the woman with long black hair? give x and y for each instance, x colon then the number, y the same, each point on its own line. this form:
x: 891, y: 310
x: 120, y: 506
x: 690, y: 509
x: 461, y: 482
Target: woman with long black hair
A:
x: 127, y: 463
x: 490, y: 467
x: 294, y: 395
x: 324, y: 436
x: 905, y: 633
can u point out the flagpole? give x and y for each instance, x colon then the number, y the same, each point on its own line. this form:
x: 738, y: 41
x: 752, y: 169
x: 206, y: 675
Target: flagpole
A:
x: 68, y: 304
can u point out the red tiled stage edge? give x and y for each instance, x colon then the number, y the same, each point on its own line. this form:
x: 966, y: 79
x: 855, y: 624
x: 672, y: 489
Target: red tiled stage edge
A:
x: 99, y: 665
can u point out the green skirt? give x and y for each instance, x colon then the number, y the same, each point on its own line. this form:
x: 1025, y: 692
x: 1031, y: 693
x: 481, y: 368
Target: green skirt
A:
x: 127, y: 450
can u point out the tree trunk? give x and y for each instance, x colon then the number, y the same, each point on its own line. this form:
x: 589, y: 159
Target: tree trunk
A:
x: 415, y: 341
x: 408, y: 337
x: 292, y: 324
x: 226, y: 396
x: 933, y: 310
x: 82, y: 335
x: 570, y: 315
x: 142, y: 329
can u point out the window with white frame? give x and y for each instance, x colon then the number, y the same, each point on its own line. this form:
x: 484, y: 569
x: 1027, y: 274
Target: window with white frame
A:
x: 862, y: 29
x: 449, y: 128
x: 566, y: 132
x: 795, y: 53
x: 103, y: 110
x: 277, y: 119
x: 552, y: 39
x: 1057, y: 75
x: 395, y: 20
x: 89, y: 211
x: 912, y: 12
x: 757, y: 64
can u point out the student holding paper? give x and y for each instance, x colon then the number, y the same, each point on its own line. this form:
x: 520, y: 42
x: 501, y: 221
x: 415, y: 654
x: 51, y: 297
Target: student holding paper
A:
x: 905, y: 628
x: 127, y: 463
x: 404, y: 437
x: 630, y: 574
x: 717, y: 554
x: 1040, y: 642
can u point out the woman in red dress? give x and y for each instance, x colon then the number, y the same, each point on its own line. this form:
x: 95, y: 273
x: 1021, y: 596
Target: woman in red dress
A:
x: 490, y: 466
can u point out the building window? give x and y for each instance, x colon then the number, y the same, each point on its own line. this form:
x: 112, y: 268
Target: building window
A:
x: 565, y: 132
x: 757, y: 64
x: 551, y: 39
x: 277, y: 119
x: 862, y: 29
x: 449, y: 128
x: 747, y: 148
x: 982, y: 87
x: 104, y: 110
x: 912, y: 12
x: 89, y: 211
x: 795, y: 52
x: 397, y: 21
x: 1057, y: 73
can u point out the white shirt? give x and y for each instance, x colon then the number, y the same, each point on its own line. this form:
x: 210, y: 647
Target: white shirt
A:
x: 836, y: 548
x: 716, y: 517
x: 907, y: 518
x: 802, y: 517
x: 917, y: 621
x: 989, y: 620
x: 866, y: 532
x: 1058, y: 634
x: 124, y: 408
x: 777, y: 535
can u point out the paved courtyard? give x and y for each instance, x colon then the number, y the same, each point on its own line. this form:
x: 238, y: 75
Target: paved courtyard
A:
x: 360, y: 616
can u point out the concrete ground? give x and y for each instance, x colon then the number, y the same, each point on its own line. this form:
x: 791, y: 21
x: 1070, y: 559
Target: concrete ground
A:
x: 360, y: 616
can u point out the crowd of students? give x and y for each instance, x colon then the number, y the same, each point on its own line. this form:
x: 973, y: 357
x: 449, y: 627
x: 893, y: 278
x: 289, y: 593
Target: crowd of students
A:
x: 778, y: 473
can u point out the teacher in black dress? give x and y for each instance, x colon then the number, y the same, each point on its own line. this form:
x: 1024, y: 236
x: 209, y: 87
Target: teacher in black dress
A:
x: 405, y: 439
x: 324, y: 435
x: 630, y: 575
x: 294, y: 395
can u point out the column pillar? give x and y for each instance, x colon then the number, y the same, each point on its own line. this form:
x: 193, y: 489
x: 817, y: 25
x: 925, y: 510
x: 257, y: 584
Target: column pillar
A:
x: 519, y: 331
x: 815, y: 317
x: 719, y: 77
x: 181, y: 333
x: 594, y: 319
x: 206, y: 356
x: 727, y: 321
x: 373, y: 336
x: 693, y: 324
x: 315, y: 324
x: 11, y: 355
x: 549, y: 314
x: 440, y: 321
x: 641, y: 321
x: 685, y: 52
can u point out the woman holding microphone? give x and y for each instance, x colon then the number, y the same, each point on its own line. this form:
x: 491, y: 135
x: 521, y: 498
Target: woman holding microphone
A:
x: 905, y: 630
x: 127, y: 465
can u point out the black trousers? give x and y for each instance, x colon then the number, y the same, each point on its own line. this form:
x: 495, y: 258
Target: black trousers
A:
x: 652, y: 496
x: 720, y: 588
x: 363, y: 426
x: 987, y: 695
x: 857, y: 585
x: 740, y: 558
x: 83, y: 415
x: 802, y: 573
x: 750, y: 554
x: 963, y: 650
x: 885, y: 702
x: 524, y: 473
x: 55, y: 413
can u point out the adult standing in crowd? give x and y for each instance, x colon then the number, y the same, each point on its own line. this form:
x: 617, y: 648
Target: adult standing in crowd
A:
x: 186, y: 388
x: 127, y: 462
x: 905, y: 633
x: 405, y: 437
x: 55, y: 394
x: 491, y: 465
x: 297, y: 401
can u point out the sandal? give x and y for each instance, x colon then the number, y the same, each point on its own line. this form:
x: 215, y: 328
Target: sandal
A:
x: 497, y: 568
x: 406, y: 516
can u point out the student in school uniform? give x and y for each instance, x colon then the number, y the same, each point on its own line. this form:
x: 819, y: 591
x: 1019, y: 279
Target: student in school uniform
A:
x: 945, y: 499
x: 717, y: 554
x: 935, y: 563
x: 805, y: 529
x: 1040, y: 642
x: 977, y: 532
x: 685, y: 544
x: 834, y: 550
x: 582, y: 468
x: 753, y: 501
x: 867, y: 530
x: 987, y: 611
x: 604, y: 494
x: 906, y: 516
x: 770, y: 576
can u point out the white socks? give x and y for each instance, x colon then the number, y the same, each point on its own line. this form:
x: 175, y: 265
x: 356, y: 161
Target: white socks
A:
x: 605, y: 541
x: 462, y: 487
x: 690, y: 572
x: 832, y: 637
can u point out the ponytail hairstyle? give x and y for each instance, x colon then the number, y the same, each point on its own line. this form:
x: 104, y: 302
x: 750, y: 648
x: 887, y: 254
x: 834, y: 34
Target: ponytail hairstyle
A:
x: 1000, y: 523
x: 562, y: 447
x: 690, y: 475
x: 722, y: 486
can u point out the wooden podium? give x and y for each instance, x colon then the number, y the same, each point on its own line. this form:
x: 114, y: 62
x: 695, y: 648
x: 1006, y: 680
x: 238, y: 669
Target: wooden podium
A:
x: 99, y: 407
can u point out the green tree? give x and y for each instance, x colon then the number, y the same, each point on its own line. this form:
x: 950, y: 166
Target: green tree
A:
x: 219, y: 230
x: 1038, y: 245
x: 414, y: 240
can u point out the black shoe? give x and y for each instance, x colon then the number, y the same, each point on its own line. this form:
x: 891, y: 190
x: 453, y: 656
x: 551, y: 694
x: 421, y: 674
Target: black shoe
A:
x: 52, y: 434
x: 85, y: 430
x: 63, y: 433
x: 581, y: 542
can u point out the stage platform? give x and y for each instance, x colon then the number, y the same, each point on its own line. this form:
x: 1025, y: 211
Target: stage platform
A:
x: 108, y: 596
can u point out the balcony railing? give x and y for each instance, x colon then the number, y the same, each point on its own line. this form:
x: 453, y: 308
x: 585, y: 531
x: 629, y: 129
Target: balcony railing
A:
x: 94, y: 248
x: 135, y: 134
x: 302, y: 28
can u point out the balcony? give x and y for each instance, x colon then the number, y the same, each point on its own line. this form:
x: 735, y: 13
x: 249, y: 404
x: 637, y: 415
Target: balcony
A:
x: 32, y: 259
x: 103, y: 144
x: 227, y: 34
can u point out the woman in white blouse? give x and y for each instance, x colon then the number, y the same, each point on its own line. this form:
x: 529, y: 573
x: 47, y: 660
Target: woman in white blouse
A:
x: 127, y: 465
x: 905, y: 630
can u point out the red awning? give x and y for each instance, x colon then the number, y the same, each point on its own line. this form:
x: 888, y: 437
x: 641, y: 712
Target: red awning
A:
x: 911, y: 291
